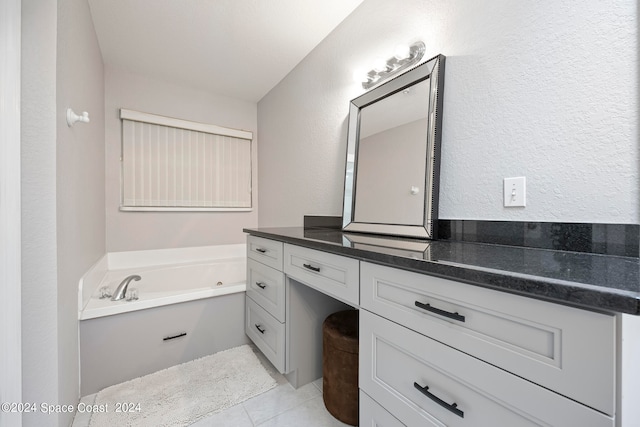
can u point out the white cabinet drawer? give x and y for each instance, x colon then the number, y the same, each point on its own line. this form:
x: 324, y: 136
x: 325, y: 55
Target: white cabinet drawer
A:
x: 373, y: 415
x: 423, y: 382
x: 266, y: 332
x: 567, y: 350
x: 266, y: 251
x: 265, y: 286
x: 331, y: 274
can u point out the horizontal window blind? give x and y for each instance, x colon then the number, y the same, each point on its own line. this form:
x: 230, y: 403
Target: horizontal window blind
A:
x: 171, y: 164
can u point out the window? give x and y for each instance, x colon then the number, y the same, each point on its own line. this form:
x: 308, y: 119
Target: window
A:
x: 173, y: 165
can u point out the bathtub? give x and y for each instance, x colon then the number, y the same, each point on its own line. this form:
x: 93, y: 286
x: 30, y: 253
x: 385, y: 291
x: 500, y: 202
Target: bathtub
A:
x: 168, y: 284
x: 190, y: 304
x: 168, y: 276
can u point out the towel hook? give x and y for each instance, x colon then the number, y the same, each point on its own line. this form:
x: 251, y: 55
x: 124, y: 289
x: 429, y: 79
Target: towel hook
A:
x: 73, y: 117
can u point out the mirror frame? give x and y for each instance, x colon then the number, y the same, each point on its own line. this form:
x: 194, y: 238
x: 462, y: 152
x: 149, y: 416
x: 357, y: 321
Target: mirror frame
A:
x: 433, y: 69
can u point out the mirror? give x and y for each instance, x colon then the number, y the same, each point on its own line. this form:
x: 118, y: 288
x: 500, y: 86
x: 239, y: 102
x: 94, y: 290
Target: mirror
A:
x: 410, y: 248
x: 393, y: 155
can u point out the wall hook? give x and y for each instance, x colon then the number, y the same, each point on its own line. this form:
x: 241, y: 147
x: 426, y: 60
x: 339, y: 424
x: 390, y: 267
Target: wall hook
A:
x: 73, y: 117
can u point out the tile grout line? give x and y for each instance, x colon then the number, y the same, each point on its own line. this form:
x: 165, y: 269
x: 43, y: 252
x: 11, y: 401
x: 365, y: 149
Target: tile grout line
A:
x: 247, y: 414
x: 286, y: 410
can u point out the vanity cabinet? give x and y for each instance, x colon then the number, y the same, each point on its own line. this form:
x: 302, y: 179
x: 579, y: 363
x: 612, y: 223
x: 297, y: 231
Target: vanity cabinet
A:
x: 265, y: 300
x: 268, y: 252
x: 290, y: 291
x: 372, y: 414
x: 501, y: 358
x: 423, y: 382
x: 265, y: 286
x: 266, y: 332
x: 568, y: 350
x: 435, y: 351
x: 330, y: 274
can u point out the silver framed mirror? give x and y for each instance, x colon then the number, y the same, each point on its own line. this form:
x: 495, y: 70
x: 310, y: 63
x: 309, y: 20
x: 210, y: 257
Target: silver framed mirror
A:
x: 393, y: 155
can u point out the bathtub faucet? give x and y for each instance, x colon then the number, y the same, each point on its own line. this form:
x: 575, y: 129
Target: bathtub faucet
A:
x: 122, y: 287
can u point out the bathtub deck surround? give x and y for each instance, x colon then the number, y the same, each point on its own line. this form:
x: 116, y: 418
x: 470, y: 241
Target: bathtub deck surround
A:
x: 164, y: 285
x: 533, y: 320
x: 190, y: 304
x: 120, y: 264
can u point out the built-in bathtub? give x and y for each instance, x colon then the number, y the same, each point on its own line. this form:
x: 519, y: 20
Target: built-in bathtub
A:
x: 190, y: 304
x: 168, y: 284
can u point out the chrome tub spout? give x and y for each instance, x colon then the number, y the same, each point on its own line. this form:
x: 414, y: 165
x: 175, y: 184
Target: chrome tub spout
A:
x: 122, y: 287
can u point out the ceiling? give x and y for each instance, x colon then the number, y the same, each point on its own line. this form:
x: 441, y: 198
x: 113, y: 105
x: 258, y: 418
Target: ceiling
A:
x: 235, y: 48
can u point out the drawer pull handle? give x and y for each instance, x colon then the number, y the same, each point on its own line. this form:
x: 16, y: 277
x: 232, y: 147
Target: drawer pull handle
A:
x: 311, y: 267
x: 454, y: 316
x: 174, y: 337
x: 262, y: 251
x: 260, y: 329
x: 451, y: 407
x: 261, y: 285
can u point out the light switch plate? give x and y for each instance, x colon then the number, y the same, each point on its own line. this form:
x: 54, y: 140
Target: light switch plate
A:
x: 515, y: 192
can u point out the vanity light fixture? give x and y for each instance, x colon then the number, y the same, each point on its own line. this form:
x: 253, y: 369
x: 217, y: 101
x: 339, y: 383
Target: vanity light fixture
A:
x: 404, y: 56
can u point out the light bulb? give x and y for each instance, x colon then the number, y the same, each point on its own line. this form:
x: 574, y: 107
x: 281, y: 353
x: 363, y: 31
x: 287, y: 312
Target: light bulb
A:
x: 380, y: 65
x: 402, y: 51
x: 360, y: 76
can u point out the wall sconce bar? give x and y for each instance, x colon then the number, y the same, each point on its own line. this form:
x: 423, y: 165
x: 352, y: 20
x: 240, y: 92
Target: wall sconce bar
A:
x: 403, y: 58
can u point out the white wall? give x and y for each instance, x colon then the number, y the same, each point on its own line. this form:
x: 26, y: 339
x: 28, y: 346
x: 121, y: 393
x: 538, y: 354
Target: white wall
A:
x: 10, y: 214
x: 80, y: 179
x: 63, y: 215
x: 38, y: 176
x: 158, y: 230
x: 546, y: 90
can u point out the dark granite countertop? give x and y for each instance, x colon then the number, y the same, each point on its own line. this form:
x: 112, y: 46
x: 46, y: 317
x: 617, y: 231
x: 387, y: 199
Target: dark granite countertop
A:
x: 592, y: 281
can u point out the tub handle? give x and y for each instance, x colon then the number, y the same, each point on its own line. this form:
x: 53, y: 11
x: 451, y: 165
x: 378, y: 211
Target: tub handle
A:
x: 262, y: 330
x: 261, y: 285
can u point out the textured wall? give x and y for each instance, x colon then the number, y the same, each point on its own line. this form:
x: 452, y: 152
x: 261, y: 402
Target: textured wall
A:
x: 38, y: 176
x: 62, y: 194
x: 10, y: 213
x: 546, y: 90
x: 157, y: 230
x: 80, y: 197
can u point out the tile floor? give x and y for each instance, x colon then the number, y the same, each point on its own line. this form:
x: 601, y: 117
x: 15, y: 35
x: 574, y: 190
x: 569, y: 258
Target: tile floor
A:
x: 282, y: 406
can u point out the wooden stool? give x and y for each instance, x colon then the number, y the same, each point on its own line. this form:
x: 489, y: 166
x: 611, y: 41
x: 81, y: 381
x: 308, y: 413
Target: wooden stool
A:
x: 340, y: 365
